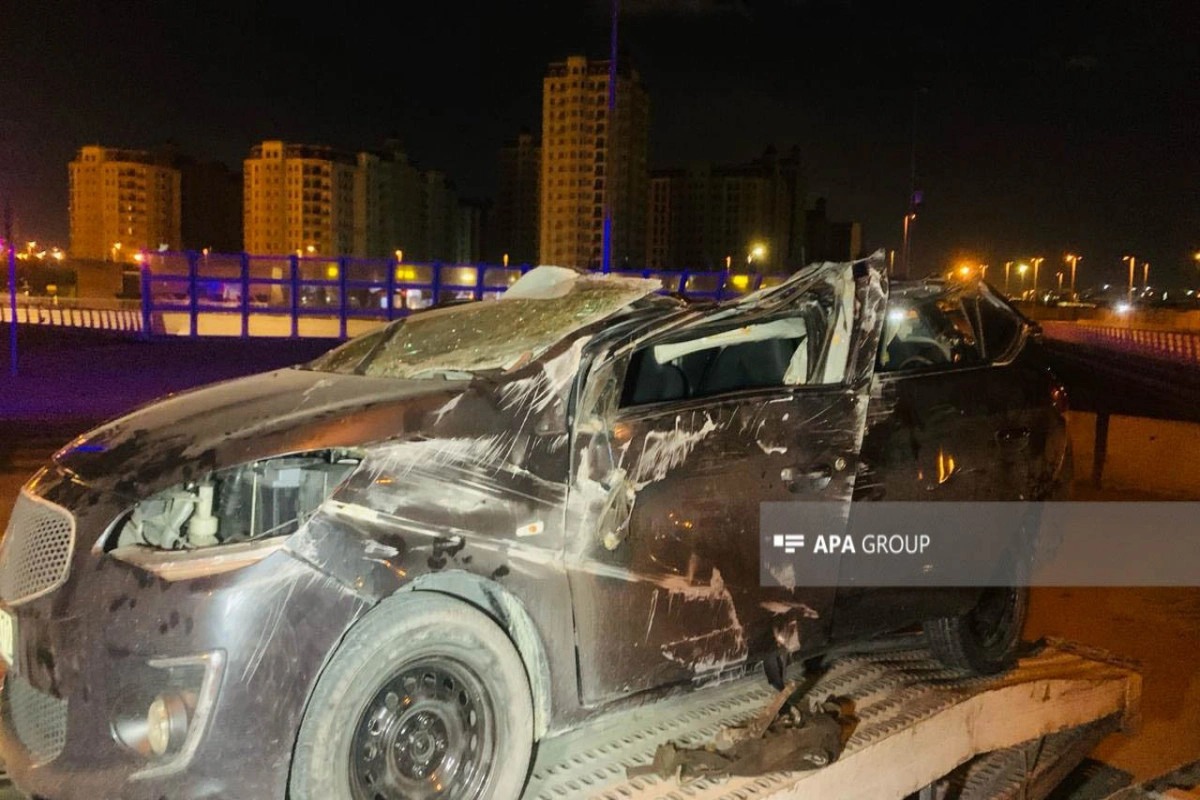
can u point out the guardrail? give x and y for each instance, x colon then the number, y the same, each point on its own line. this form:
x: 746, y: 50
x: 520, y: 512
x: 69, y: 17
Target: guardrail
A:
x: 241, y: 294
x: 108, y: 315
x: 1177, y: 346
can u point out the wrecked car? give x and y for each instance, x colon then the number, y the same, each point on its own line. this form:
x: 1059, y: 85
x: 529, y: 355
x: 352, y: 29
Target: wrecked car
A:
x: 389, y: 572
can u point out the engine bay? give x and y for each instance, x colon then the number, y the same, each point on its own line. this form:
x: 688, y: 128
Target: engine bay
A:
x: 262, y: 499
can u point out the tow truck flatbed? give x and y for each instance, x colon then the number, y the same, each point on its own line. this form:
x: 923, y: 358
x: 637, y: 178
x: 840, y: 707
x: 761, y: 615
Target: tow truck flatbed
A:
x: 919, y: 729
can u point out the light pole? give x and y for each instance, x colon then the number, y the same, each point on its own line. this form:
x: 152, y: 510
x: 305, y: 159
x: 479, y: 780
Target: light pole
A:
x: 905, y: 254
x: 12, y: 305
x: 1007, y: 267
x: 756, y: 252
x: 1073, y: 260
x: 1132, y: 265
x: 1037, y: 262
x: 1145, y: 276
x: 1021, y: 270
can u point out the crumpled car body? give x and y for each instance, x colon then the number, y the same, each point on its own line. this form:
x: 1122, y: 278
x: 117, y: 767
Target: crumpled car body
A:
x: 582, y: 461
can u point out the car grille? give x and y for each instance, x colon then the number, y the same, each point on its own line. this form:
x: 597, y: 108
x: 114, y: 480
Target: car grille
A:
x: 39, y: 720
x: 35, y: 556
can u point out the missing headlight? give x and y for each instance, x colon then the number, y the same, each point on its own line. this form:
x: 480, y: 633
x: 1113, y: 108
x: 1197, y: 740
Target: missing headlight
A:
x: 267, y: 498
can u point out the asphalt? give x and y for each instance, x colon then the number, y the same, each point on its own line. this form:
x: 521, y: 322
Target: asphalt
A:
x: 1104, y: 381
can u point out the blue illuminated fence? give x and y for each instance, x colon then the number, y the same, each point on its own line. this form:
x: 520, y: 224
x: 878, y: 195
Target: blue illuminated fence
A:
x: 199, y: 294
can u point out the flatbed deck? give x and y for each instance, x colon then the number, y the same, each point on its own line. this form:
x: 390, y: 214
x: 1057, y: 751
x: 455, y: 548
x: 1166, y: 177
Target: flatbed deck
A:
x: 915, y: 723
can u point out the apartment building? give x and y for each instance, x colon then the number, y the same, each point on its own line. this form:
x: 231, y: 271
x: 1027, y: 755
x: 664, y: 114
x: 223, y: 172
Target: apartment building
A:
x: 594, y: 149
x: 121, y: 202
x: 298, y: 198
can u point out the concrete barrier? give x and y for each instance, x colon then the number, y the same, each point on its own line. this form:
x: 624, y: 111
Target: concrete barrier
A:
x: 76, y: 314
x: 1156, y: 456
x: 1180, y: 347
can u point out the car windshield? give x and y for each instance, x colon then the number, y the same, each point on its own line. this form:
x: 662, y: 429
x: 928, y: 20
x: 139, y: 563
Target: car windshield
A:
x: 545, y: 306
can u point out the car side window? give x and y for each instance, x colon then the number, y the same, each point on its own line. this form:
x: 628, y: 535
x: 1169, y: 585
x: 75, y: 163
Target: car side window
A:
x: 729, y: 357
x: 999, y: 327
x: 932, y: 333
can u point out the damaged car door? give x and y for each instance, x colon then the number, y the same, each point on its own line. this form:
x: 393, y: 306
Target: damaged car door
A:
x: 680, y: 437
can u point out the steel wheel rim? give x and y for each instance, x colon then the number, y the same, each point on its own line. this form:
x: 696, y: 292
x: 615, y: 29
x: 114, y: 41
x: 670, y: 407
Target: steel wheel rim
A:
x: 428, y: 732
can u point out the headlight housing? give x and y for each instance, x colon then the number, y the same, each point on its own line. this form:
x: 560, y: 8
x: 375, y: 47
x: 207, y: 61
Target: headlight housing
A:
x: 229, y: 518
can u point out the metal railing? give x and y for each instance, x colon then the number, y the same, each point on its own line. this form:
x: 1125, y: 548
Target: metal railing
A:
x: 241, y: 294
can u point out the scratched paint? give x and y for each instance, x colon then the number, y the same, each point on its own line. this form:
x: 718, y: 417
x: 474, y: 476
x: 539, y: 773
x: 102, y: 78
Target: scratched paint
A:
x: 643, y: 573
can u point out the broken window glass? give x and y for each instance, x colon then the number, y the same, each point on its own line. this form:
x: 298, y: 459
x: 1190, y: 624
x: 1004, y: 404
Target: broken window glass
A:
x: 545, y: 306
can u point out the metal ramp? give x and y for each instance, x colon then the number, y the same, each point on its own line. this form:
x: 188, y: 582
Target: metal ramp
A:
x: 916, y: 723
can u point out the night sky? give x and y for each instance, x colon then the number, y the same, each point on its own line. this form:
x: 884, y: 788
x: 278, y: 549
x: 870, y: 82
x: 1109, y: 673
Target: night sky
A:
x: 1045, y: 126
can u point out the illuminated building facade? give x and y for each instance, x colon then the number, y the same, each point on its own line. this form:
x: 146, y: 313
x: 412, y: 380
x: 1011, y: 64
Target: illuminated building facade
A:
x: 122, y: 202
x: 298, y: 198
x: 593, y: 165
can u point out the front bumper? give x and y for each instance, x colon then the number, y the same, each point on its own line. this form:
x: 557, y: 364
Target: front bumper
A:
x: 90, y: 654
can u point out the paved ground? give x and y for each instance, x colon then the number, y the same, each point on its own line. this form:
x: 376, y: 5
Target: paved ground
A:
x: 65, y: 374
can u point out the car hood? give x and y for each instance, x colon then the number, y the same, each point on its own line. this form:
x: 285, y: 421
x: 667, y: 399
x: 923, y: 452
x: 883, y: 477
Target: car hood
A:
x: 185, y: 436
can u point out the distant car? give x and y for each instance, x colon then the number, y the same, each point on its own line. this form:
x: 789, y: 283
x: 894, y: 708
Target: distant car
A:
x: 387, y: 573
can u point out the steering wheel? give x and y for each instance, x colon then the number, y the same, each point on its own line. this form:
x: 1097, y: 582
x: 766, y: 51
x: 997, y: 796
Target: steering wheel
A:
x: 915, y: 362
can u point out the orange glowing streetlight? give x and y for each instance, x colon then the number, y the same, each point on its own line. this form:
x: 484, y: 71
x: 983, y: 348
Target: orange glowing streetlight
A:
x: 1073, y: 260
x: 1132, y: 266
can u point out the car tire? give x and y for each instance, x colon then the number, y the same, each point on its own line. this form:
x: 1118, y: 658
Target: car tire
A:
x: 987, y: 638
x: 425, y: 688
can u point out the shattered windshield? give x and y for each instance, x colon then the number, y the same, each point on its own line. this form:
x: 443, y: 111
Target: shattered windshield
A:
x: 542, y: 308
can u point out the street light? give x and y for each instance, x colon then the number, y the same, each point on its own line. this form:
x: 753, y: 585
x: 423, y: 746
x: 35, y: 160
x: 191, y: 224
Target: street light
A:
x: 905, y: 252
x: 1146, y: 275
x: 1007, y: 267
x: 1037, y: 262
x: 1132, y: 265
x: 1021, y: 270
x: 1073, y: 260
x: 756, y: 252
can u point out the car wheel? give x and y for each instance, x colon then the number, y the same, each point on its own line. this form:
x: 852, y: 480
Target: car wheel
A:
x: 985, y: 640
x: 427, y: 697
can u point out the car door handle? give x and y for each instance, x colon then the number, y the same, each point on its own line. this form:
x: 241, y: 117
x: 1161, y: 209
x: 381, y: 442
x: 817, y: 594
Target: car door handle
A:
x: 798, y: 479
x: 1013, y: 437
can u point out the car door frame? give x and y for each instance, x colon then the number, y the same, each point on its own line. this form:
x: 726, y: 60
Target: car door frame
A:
x: 871, y: 610
x: 595, y: 605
